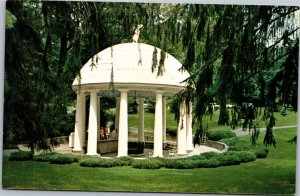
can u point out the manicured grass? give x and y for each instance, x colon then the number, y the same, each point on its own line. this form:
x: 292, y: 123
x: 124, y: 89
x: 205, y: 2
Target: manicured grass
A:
x: 149, y: 120
x: 273, y: 175
x: 211, y: 124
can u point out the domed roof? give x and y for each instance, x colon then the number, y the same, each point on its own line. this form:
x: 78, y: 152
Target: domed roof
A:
x: 130, y: 64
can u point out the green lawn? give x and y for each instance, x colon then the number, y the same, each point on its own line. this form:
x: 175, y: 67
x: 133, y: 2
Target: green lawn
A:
x: 149, y: 120
x: 290, y: 119
x: 273, y: 175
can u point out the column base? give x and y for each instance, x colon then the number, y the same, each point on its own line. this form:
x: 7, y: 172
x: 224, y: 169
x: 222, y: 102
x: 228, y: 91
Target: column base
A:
x: 158, y: 156
x: 189, y: 151
x: 95, y: 155
x: 82, y: 151
x: 122, y: 155
x: 182, y: 153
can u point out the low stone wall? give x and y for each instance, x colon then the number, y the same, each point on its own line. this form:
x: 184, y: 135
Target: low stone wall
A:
x: 217, y: 145
x: 107, y: 146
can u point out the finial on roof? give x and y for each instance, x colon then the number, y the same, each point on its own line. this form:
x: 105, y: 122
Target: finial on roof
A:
x: 136, y: 35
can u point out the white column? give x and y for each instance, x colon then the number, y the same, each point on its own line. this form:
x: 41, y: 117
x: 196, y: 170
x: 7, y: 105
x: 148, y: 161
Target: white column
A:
x: 141, y: 120
x: 92, y: 133
x: 117, y: 114
x: 158, y: 126
x: 79, y: 135
x: 98, y: 113
x: 164, y: 119
x: 181, y: 131
x: 123, y: 125
x: 189, y: 130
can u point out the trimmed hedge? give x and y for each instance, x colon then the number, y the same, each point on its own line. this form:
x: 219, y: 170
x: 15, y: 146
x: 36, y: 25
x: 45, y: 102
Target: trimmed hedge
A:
x: 261, y: 153
x: 229, y: 159
x: 246, y: 156
x: 180, y: 163
x: 44, y: 157
x: 240, y: 151
x: 219, y: 134
x: 150, y: 163
x: 100, y: 162
x: 21, y: 156
x: 171, y: 131
x: 64, y: 159
x: 207, y: 163
x: 236, y: 144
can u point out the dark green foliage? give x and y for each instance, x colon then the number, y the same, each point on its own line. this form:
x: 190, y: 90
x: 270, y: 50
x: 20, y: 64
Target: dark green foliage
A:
x: 150, y: 163
x: 21, y: 156
x: 64, y: 158
x: 171, y: 131
x: 98, y: 162
x: 180, y: 164
x: 236, y: 144
x: 229, y: 159
x: 44, y: 157
x: 219, y: 134
x: 230, y: 59
x: 124, y: 161
x: 101, y: 162
x: 207, y: 163
x: 246, y: 156
x: 261, y: 153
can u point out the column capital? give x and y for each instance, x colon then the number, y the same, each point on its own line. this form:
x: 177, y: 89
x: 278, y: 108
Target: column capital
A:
x: 123, y: 90
x: 79, y: 91
x: 159, y: 92
x: 93, y: 91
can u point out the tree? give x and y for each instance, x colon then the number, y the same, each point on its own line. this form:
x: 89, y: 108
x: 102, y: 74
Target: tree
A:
x: 48, y: 42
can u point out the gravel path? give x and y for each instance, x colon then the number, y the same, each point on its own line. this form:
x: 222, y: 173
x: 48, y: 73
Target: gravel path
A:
x: 239, y: 132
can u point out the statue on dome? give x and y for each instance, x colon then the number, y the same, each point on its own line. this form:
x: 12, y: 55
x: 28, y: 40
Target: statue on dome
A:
x: 136, y: 35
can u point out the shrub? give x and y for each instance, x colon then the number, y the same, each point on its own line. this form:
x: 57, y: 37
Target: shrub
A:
x: 64, y: 158
x: 261, y: 153
x: 21, y: 156
x: 246, y: 156
x: 236, y: 144
x: 209, y: 155
x: 99, y: 162
x: 171, y: 131
x: 151, y: 163
x: 229, y: 159
x: 180, y: 164
x: 207, y: 163
x: 124, y: 161
x: 219, y: 134
x: 44, y: 157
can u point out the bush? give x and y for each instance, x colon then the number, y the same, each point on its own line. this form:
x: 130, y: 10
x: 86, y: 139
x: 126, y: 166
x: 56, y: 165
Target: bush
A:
x: 180, y: 163
x: 99, y: 162
x: 21, y: 156
x: 261, y: 153
x: 151, y: 163
x: 64, y: 158
x: 207, y: 163
x: 246, y: 156
x: 44, y: 157
x: 209, y: 155
x: 171, y: 131
x: 229, y: 159
x: 124, y: 161
x: 236, y: 144
x: 219, y: 134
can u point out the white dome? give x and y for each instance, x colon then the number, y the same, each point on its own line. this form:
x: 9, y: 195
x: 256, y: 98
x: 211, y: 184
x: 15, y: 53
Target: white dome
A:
x: 132, y: 66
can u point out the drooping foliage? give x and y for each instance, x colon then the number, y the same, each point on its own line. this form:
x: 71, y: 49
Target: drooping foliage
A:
x: 243, y: 55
